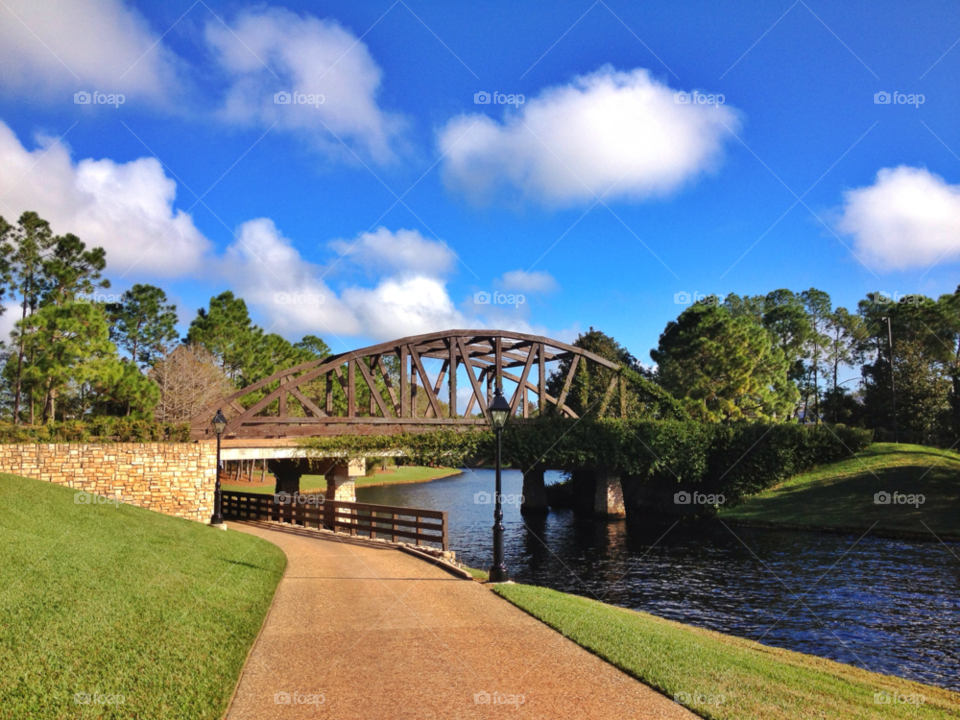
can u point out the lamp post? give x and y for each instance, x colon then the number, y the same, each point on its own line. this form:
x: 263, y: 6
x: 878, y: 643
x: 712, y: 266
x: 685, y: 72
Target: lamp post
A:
x: 499, y: 413
x: 219, y: 425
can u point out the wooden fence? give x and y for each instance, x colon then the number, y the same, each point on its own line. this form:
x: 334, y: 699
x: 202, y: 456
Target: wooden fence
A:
x: 376, y: 521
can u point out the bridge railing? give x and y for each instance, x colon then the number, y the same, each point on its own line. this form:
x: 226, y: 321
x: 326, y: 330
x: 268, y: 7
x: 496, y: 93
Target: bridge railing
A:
x: 386, y: 522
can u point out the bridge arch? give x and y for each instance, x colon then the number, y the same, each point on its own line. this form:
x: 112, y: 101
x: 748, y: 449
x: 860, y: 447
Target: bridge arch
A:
x: 300, y: 401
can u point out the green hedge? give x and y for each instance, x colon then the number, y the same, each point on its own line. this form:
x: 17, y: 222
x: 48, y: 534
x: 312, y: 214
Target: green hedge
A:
x: 655, y: 458
x: 98, y: 429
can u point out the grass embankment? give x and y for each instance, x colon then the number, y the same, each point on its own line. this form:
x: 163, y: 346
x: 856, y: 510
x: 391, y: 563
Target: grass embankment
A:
x: 397, y: 476
x: 841, y: 495
x: 104, y: 603
x: 724, y: 677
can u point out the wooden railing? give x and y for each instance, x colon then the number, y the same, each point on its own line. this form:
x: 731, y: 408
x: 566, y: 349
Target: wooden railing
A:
x: 375, y: 521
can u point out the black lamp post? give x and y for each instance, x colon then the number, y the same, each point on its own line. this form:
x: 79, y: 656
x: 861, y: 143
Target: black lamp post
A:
x: 499, y: 413
x: 219, y: 425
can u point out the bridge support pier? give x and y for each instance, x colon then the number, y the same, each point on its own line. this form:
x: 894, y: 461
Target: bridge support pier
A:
x: 340, y: 480
x: 534, y: 492
x: 608, y: 496
x: 288, y: 472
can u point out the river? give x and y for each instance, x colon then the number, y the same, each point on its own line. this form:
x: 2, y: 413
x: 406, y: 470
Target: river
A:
x: 888, y: 606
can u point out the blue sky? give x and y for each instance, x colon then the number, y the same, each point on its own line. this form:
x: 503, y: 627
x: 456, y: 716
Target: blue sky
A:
x: 383, y: 210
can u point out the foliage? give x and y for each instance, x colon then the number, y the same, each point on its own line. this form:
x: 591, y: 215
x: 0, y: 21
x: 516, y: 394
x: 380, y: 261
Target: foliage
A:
x: 99, y: 429
x: 723, y: 367
x: 190, y: 380
x: 142, y: 323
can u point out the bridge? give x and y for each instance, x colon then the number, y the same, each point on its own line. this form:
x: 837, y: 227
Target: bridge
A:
x: 397, y: 387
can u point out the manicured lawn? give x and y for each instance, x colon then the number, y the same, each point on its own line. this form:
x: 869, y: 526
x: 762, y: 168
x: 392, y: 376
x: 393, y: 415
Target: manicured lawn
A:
x: 842, y: 494
x: 317, y: 483
x: 103, y: 601
x: 723, y: 677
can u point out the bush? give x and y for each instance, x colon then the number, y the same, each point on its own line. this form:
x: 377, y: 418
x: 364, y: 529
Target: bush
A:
x: 97, y: 429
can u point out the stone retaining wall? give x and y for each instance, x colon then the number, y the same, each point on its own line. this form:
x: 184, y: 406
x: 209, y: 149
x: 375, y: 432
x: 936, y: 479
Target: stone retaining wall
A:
x: 172, y: 478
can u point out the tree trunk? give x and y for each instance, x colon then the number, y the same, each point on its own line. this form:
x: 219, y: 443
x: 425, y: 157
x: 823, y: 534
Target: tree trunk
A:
x: 16, y: 402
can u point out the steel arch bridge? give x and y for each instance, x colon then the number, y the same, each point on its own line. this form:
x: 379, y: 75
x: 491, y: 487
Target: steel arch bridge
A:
x: 324, y: 397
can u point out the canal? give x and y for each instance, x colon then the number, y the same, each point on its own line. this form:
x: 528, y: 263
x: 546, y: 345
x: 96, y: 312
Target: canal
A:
x: 884, y: 605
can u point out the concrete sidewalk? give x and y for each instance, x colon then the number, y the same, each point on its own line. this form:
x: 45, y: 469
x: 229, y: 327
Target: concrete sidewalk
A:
x: 366, y: 632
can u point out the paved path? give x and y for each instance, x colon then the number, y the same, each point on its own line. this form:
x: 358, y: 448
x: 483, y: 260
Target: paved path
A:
x: 381, y: 634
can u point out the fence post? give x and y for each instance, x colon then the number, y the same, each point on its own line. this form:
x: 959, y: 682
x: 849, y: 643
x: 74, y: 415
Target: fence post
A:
x: 446, y: 532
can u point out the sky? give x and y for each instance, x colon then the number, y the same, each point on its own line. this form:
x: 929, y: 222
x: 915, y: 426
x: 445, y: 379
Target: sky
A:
x: 368, y: 171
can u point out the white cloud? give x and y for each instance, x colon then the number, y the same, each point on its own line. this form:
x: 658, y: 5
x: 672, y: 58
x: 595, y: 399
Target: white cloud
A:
x: 620, y: 132
x: 55, y: 48
x: 909, y: 217
x: 126, y: 208
x: 404, y: 251
x: 269, y: 273
x: 312, y: 57
x: 400, y: 307
x: 537, y: 281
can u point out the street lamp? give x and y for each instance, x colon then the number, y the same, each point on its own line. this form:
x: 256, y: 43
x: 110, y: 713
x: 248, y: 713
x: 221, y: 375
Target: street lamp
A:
x: 499, y: 413
x: 219, y: 425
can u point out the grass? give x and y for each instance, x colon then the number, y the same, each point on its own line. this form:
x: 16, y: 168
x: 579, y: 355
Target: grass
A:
x: 478, y: 574
x: 841, y: 495
x: 317, y: 483
x: 724, y: 677
x: 119, y: 601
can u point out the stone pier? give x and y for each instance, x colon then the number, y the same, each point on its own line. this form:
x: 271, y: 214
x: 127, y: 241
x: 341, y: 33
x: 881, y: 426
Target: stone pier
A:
x: 340, y: 480
x: 608, y: 496
x: 534, y: 492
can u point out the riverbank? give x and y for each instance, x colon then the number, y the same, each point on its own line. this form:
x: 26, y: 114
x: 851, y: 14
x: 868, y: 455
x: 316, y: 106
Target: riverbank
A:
x: 724, y: 677
x: 134, y: 613
x: 898, y: 491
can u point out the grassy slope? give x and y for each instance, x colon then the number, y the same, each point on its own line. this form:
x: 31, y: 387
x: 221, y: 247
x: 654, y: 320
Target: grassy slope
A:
x: 841, y: 494
x: 755, y: 681
x: 404, y: 474
x: 123, y: 601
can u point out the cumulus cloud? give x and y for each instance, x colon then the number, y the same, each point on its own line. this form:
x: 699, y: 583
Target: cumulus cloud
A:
x: 909, y: 217
x: 404, y: 251
x: 612, y: 132
x: 266, y: 51
x: 55, y: 48
x: 398, y: 307
x: 125, y: 208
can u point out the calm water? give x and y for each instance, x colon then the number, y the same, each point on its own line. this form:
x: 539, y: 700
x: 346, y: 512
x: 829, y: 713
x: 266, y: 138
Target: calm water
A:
x: 888, y: 606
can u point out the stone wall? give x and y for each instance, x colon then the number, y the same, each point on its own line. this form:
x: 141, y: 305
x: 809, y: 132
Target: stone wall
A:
x: 171, y: 478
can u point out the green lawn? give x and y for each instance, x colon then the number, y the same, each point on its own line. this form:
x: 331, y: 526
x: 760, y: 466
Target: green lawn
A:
x: 842, y: 494
x: 112, y: 600
x: 725, y: 677
x: 317, y: 483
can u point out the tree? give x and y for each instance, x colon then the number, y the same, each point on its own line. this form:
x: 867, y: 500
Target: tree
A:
x: 142, y: 323
x: 819, y: 307
x: 70, y: 270
x: 225, y: 331
x: 68, y: 344
x: 722, y: 367
x: 190, y: 379
x: 785, y: 316
x: 314, y: 346
x: 119, y: 387
x: 25, y: 248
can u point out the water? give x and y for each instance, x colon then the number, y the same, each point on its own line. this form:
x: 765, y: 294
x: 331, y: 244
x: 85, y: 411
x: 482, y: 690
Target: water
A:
x: 888, y: 606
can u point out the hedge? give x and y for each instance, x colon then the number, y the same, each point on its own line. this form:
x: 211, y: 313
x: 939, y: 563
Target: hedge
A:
x: 98, y: 430
x: 655, y: 458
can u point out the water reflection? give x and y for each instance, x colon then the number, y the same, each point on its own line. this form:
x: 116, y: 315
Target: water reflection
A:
x: 887, y: 606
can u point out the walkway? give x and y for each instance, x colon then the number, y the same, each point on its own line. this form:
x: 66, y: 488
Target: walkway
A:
x: 380, y: 634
